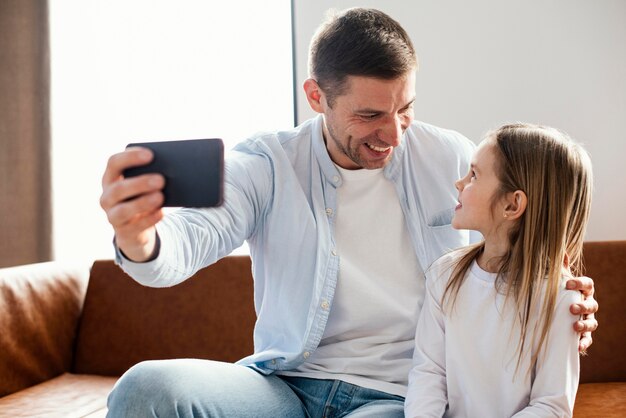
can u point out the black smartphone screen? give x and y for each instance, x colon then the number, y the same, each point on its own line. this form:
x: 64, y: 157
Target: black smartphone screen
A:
x: 193, y: 170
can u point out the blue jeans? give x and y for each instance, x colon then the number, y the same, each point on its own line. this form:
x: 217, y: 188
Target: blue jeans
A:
x: 204, y: 388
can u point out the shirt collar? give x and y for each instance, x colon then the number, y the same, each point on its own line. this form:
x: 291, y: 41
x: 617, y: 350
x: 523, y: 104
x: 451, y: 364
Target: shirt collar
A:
x: 319, y: 146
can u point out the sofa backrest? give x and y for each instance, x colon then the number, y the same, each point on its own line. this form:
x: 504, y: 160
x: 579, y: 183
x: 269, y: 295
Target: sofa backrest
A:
x: 209, y: 316
x: 605, y: 263
x: 212, y: 316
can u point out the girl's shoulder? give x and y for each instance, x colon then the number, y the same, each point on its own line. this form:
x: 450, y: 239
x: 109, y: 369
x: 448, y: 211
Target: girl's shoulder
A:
x: 442, y: 268
x: 445, y: 261
x: 563, y: 300
x: 452, y: 257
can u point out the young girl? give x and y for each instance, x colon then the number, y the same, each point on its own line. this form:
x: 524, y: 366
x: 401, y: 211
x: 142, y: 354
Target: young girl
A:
x: 494, y: 338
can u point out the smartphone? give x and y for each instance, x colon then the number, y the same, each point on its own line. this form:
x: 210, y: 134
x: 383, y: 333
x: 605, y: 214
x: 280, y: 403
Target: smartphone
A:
x: 193, y: 170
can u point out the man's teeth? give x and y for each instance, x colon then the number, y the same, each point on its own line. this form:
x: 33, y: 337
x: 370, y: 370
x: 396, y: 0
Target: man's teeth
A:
x: 378, y: 149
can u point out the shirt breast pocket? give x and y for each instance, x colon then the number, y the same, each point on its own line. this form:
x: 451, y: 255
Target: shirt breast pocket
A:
x: 444, y: 238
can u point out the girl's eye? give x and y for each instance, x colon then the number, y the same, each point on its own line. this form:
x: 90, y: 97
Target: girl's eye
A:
x: 473, y: 174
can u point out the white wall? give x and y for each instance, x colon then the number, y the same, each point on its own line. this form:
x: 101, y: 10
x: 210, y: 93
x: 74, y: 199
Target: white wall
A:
x: 482, y: 63
x: 149, y: 70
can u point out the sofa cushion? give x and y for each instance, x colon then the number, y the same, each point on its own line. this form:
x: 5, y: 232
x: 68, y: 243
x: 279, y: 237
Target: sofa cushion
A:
x: 68, y: 395
x: 209, y: 316
x: 39, y: 309
x: 606, y: 400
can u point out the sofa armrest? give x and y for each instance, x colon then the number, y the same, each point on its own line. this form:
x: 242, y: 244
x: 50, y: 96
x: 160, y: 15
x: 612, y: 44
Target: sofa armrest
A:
x: 39, y: 309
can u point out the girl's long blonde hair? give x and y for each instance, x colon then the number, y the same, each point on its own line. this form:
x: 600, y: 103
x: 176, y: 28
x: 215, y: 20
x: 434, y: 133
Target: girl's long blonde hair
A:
x: 546, y: 242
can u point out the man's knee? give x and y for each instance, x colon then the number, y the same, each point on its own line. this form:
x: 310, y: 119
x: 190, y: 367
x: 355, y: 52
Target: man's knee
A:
x: 200, y: 388
x: 146, y: 388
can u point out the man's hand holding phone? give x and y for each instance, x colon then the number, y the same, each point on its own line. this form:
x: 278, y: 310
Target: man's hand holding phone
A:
x: 133, y: 205
x: 138, y: 182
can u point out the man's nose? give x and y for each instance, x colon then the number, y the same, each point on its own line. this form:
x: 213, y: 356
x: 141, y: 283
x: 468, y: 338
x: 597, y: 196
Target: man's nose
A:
x: 391, y: 132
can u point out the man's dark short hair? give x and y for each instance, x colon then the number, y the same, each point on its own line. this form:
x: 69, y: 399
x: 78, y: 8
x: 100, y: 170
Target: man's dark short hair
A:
x: 362, y: 42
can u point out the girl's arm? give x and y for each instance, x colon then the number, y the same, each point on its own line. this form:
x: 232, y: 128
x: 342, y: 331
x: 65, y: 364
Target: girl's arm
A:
x: 557, y: 371
x: 427, y: 392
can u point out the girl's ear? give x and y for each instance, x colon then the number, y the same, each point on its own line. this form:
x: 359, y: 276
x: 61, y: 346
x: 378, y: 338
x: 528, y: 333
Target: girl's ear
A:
x: 515, y: 205
x: 313, y: 95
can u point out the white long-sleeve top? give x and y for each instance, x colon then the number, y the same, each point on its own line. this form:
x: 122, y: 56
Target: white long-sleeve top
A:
x: 464, y: 364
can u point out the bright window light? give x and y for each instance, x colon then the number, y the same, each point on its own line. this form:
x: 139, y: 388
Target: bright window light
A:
x: 147, y: 70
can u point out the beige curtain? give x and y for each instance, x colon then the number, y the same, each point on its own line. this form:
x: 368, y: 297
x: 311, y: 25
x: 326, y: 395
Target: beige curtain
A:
x: 25, y: 195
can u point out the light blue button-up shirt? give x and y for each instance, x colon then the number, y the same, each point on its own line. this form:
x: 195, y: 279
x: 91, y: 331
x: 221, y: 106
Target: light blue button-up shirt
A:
x: 280, y: 194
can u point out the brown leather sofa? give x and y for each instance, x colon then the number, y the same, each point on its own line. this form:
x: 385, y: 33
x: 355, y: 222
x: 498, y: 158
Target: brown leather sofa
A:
x: 67, y: 332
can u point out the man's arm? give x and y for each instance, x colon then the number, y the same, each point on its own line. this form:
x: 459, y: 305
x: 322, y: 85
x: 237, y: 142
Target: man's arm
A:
x: 165, y: 250
x: 587, y: 308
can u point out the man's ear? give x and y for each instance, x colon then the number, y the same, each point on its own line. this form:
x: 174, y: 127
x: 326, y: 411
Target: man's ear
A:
x: 313, y: 95
x: 515, y: 204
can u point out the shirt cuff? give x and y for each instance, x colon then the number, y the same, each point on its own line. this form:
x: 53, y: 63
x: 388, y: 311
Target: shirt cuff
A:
x: 121, y: 259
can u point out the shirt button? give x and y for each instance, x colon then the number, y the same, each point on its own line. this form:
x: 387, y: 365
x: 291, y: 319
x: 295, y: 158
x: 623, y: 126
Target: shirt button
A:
x: 274, y: 361
x: 306, y: 354
x: 333, y: 252
x: 325, y: 305
x: 329, y: 211
x: 335, y: 179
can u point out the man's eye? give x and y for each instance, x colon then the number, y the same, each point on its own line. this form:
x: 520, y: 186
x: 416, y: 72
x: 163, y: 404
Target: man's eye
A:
x: 369, y: 116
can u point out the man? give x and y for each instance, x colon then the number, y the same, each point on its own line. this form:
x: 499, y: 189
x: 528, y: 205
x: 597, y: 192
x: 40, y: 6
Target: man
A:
x: 342, y: 215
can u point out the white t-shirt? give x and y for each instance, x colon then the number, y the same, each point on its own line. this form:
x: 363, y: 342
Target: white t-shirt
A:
x: 369, y: 336
x: 465, y: 359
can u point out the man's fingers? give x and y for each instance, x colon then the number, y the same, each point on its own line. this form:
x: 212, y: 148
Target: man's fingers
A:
x: 584, y: 343
x: 133, y: 210
x: 124, y: 189
x: 586, y: 325
x: 117, y: 163
x: 583, y: 284
x: 585, y: 307
x: 116, y: 190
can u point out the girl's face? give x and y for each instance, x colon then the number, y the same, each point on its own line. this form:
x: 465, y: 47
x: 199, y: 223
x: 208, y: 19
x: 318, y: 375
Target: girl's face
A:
x: 476, y: 206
